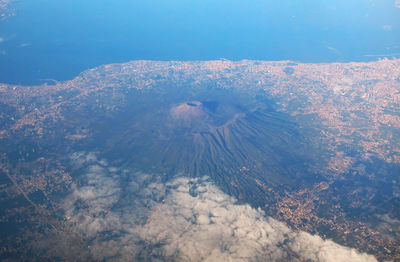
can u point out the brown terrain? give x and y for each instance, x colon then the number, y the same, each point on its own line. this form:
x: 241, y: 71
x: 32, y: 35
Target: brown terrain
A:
x: 188, y: 110
x: 353, y: 107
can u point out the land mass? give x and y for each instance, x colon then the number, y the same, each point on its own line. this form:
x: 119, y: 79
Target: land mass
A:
x: 314, y: 145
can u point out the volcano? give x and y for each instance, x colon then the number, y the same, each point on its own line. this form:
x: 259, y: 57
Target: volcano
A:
x: 236, y: 138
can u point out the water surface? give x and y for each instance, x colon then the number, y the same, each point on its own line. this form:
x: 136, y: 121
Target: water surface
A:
x: 59, y: 39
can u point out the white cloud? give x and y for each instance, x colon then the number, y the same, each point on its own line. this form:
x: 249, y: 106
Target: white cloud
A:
x: 25, y: 44
x: 387, y: 27
x: 210, y: 226
x: 124, y: 215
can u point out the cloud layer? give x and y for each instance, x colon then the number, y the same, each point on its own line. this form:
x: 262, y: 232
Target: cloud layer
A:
x: 124, y: 215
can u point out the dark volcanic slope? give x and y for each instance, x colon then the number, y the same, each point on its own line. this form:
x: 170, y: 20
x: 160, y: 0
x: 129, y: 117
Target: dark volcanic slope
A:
x: 238, y: 139
x: 197, y: 138
x: 315, y: 146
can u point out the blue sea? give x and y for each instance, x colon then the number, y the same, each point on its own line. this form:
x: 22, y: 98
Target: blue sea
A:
x: 57, y: 39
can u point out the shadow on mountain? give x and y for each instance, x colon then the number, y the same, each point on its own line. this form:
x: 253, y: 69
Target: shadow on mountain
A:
x: 237, y: 139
